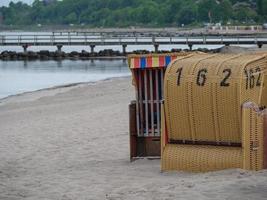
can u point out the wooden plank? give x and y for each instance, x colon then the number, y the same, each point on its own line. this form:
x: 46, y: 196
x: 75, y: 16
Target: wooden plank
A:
x: 146, y: 103
x: 151, y: 101
x: 136, y: 74
x: 157, y: 102
x: 162, y: 82
x: 140, y: 84
x: 132, y: 129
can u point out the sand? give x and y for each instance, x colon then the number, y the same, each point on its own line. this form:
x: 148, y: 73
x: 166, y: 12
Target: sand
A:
x: 72, y: 144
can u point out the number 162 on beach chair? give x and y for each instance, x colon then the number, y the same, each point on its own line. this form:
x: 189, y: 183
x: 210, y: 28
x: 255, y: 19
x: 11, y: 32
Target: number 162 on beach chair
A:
x: 213, y: 115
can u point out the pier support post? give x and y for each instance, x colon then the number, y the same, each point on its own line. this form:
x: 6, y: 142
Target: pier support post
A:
x: 156, y: 48
x: 59, y: 48
x: 124, y: 49
x: 190, y: 46
x: 92, y: 48
x: 25, y: 47
x: 259, y: 45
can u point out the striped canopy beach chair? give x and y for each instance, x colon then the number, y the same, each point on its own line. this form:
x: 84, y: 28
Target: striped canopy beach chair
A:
x: 148, y: 77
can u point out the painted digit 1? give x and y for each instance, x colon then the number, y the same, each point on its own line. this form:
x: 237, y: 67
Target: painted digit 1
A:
x: 179, y: 72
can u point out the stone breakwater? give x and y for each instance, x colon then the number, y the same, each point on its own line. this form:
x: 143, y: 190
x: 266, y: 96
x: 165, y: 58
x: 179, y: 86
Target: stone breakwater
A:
x: 59, y: 55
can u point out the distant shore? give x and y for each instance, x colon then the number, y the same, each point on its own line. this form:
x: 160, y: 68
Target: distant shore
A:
x: 245, y: 29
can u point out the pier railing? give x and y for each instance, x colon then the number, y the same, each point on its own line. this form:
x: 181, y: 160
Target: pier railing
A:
x: 85, y: 39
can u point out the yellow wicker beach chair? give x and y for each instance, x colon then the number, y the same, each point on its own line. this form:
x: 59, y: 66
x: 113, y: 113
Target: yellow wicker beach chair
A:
x: 207, y: 121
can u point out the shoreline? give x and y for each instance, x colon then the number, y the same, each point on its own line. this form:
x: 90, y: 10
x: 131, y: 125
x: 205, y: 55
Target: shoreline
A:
x: 48, y: 91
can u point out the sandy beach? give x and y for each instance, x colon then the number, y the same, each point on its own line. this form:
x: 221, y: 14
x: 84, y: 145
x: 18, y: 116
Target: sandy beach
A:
x: 73, y: 144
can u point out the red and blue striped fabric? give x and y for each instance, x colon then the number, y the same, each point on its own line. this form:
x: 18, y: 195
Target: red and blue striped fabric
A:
x: 151, y: 61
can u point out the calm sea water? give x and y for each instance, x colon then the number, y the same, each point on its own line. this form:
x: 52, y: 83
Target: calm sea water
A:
x: 23, y: 76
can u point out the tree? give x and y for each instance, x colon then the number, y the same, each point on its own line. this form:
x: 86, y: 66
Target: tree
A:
x: 226, y: 10
x: 264, y: 9
x: 134, y: 12
x: 208, y: 10
x: 187, y: 15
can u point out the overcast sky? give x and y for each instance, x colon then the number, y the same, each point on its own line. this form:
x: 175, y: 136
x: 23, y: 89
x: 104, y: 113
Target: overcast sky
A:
x: 6, y: 2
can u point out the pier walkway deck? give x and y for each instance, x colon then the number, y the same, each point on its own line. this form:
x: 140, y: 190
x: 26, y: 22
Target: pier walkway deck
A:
x: 60, y: 39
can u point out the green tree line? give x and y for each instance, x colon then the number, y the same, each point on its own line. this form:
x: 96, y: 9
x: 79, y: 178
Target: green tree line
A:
x: 122, y: 13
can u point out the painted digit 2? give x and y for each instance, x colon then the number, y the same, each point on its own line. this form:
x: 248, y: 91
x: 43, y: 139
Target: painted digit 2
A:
x: 227, y: 73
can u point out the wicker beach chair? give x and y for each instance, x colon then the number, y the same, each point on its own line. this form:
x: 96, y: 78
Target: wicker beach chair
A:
x: 212, y: 115
x: 148, y: 77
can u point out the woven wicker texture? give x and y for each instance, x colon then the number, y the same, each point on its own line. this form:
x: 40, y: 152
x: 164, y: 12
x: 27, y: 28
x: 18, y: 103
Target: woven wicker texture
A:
x: 252, y: 139
x: 200, y: 158
x: 264, y: 91
x: 204, y: 95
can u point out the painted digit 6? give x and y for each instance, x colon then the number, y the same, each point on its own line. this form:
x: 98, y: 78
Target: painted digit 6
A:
x: 201, y: 77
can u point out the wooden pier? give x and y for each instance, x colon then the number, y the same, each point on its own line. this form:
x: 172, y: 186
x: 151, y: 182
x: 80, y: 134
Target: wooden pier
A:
x: 93, y: 39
